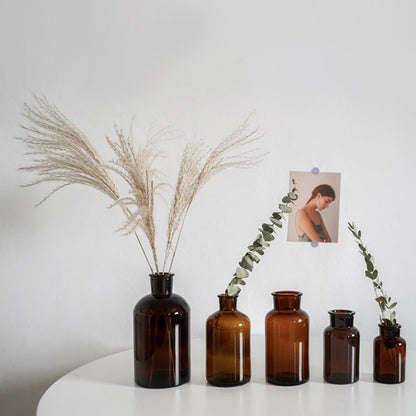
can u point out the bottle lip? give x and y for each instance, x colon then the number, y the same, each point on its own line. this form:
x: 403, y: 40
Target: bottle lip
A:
x: 287, y: 293
x: 225, y: 295
x: 398, y: 326
x: 341, y: 312
x: 161, y: 275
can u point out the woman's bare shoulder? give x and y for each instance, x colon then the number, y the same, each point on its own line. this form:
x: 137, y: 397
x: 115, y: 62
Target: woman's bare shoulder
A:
x: 302, y: 214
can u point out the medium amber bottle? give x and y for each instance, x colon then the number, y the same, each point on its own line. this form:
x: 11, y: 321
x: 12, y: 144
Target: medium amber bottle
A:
x: 389, y: 355
x: 161, y: 336
x: 228, y: 345
x: 287, y: 340
x: 341, y: 348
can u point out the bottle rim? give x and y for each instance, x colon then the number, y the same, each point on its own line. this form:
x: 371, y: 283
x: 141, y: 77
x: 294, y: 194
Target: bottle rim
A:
x: 341, y: 312
x: 287, y: 293
x: 161, y: 275
x: 226, y: 295
x: 398, y: 326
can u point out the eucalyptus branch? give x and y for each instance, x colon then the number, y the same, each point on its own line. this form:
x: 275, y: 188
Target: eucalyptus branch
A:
x: 382, y: 298
x: 260, y: 244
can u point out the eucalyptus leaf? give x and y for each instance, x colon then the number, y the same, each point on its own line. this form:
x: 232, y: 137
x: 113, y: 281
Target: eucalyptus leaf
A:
x: 276, y: 222
x: 253, y: 257
x: 276, y: 215
x: 268, y: 228
x: 285, y: 209
x: 260, y: 240
x: 286, y: 200
x: 268, y: 237
x: 370, y: 275
x: 241, y: 273
x: 370, y: 265
x: 392, y: 305
x: 257, y: 249
x: 237, y: 281
x: 246, y: 263
x: 292, y: 196
x: 233, y: 290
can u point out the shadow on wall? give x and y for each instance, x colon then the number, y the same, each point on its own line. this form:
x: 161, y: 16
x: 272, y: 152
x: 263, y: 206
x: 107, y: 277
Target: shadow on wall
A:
x: 22, y: 400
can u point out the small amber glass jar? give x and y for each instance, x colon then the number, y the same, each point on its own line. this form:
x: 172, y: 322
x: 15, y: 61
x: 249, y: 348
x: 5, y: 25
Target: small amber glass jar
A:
x: 341, y: 348
x: 389, y: 355
x: 228, y: 345
x: 287, y: 340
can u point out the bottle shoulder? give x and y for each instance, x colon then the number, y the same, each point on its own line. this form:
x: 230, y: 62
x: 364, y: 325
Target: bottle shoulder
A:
x: 169, y: 303
x: 298, y: 313
x: 390, y: 342
x: 228, y: 318
x: 338, y: 330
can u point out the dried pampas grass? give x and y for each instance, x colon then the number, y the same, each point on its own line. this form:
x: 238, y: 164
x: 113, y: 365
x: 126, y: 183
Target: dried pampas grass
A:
x: 61, y: 153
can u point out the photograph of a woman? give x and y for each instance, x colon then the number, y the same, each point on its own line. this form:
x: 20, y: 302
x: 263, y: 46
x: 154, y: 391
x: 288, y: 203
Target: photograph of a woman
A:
x: 315, y: 214
x: 309, y: 223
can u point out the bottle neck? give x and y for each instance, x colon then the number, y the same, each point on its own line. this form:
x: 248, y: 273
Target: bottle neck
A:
x: 341, y: 318
x: 161, y: 284
x: 387, y: 331
x: 286, y: 300
x: 227, y: 303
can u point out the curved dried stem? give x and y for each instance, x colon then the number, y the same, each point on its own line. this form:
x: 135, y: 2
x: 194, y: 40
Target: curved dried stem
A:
x: 62, y: 153
x: 144, y: 181
x: 196, y: 170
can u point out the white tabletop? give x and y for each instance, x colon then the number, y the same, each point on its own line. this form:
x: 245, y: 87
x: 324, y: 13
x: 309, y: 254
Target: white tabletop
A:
x: 106, y: 387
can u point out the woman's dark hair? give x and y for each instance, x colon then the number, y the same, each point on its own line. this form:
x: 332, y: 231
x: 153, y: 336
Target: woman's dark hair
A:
x: 324, y: 190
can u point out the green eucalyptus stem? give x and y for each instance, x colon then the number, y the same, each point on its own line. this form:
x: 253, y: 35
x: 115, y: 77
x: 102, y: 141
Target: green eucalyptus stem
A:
x: 382, y: 298
x: 260, y: 244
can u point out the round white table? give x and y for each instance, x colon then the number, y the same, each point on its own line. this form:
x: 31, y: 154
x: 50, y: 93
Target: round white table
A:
x: 106, y: 387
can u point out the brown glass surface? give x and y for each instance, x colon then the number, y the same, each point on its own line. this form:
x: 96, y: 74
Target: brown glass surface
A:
x: 389, y: 355
x: 228, y: 345
x: 161, y: 336
x: 341, y: 348
x: 287, y: 341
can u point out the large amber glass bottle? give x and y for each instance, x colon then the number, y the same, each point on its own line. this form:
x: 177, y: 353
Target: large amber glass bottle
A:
x: 161, y: 336
x: 287, y: 340
x: 228, y: 345
x: 341, y: 348
x: 389, y: 355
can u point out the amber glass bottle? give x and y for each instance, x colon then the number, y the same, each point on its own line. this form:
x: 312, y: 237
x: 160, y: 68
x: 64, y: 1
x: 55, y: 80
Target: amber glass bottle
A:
x: 228, y: 345
x: 341, y: 348
x: 287, y: 341
x: 389, y: 355
x: 161, y: 336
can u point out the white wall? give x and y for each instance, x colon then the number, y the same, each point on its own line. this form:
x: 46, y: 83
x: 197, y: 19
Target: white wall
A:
x: 333, y: 86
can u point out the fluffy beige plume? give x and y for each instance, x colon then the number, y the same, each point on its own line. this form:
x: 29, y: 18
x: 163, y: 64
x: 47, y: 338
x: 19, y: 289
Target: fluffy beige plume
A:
x: 198, y: 166
x: 136, y: 168
x: 61, y: 152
